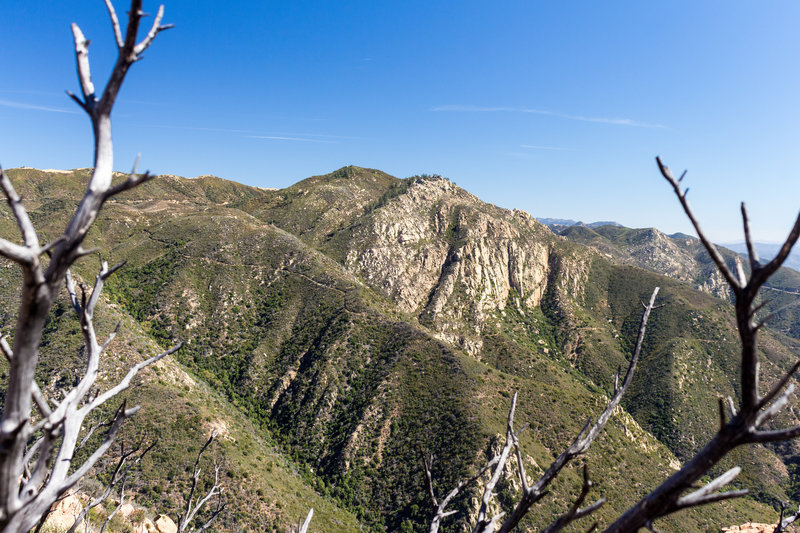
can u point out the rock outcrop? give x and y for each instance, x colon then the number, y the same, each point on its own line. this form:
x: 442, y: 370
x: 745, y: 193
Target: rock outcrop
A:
x: 66, y: 511
x: 443, y: 255
x: 750, y: 527
x: 679, y: 257
x: 164, y: 524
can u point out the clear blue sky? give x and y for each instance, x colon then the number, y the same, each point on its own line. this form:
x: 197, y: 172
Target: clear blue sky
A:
x: 557, y: 108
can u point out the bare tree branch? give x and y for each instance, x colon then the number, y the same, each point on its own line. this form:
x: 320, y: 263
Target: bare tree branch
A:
x: 15, y: 252
x: 585, y: 437
x: 112, y: 14
x: 126, y: 381
x: 302, y: 525
x: 576, y: 512
x: 440, y: 511
x: 763, y: 273
x: 482, y: 521
x: 712, y: 250
x: 752, y: 253
x: 523, y: 476
x: 121, y: 415
x: 779, y: 385
x: 710, y: 493
x: 746, y: 423
x: 118, y: 477
x: 785, y: 521
x: 193, y: 507
x: 427, y: 464
x: 23, y: 221
x: 133, y: 180
x: 84, y: 70
x: 533, y: 493
x: 31, y: 480
x: 154, y: 30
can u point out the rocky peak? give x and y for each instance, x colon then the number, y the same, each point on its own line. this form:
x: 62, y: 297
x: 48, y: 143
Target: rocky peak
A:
x: 450, y: 259
x: 679, y: 256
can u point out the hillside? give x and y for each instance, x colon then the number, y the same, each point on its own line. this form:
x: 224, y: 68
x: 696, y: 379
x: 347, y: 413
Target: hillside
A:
x: 347, y: 324
x: 682, y: 257
x: 179, y: 409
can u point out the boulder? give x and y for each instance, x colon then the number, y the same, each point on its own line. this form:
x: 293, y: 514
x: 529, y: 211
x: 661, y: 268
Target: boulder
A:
x: 126, y: 510
x: 164, y: 524
x: 64, y: 513
x: 147, y: 526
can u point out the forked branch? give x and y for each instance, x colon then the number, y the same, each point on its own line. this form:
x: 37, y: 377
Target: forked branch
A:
x: 586, y: 436
x: 31, y: 480
x: 192, y: 507
x: 128, y: 459
x: 440, y: 508
x: 577, y: 512
x: 533, y: 493
x: 302, y: 525
x: 747, y: 423
x: 712, y: 250
x: 785, y: 520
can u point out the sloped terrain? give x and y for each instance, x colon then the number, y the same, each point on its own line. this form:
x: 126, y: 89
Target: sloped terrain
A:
x: 682, y: 257
x: 179, y: 411
x: 358, y: 321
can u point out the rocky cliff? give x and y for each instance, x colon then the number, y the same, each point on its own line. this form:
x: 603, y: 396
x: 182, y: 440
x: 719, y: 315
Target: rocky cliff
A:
x: 449, y: 260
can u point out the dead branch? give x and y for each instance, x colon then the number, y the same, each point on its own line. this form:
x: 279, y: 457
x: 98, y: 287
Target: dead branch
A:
x: 119, y: 477
x: 29, y: 484
x: 216, y: 489
x: 440, y: 508
x: 533, y: 493
x: 585, y: 437
x: 302, y: 525
x: 576, y: 511
x: 785, y: 520
x: 747, y: 423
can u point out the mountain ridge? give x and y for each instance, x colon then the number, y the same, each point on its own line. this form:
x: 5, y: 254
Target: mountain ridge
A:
x: 357, y: 318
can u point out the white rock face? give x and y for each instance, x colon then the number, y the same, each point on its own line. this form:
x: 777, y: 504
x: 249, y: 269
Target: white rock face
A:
x: 682, y: 259
x: 655, y: 251
x: 126, y: 510
x: 441, y: 254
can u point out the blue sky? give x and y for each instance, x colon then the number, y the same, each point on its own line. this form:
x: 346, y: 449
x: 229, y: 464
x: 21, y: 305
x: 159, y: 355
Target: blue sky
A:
x: 557, y: 108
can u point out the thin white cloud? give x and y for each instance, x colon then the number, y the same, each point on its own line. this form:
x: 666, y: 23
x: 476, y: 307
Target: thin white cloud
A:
x: 34, y: 107
x: 140, y: 102
x: 581, y: 118
x: 300, y: 139
x: 323, y: 136
x: 538, y: 147
x: 23, y: 91
x: 255, y: 134
x: 193, y: 128
x: 520, y: 155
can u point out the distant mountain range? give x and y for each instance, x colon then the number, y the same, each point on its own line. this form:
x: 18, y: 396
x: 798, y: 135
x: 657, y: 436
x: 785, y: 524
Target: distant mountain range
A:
x: 767, y: 251
x: 682, y: 257
x: 566, y: 222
